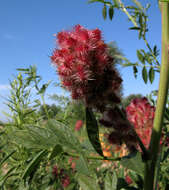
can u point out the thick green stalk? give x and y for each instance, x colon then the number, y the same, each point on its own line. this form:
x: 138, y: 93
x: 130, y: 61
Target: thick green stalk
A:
x: 161, y: 100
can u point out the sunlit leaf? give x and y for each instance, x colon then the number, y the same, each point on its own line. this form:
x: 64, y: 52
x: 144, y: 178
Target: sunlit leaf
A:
x: 151, y: 75
x: 144, y: 74
x: 104, y: 12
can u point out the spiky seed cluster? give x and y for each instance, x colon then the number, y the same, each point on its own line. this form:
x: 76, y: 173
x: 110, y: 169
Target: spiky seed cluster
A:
x: 115, y: 119
x: 60, y: 173
x: 85, y: 68
x: 141, y: 115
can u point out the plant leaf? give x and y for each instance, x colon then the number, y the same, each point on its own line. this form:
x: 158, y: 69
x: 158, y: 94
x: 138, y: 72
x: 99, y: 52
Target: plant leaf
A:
x: 6, y: 157
x: 116, y: 3
x: 140, y: 56
x: 81, y: 166
x: 110, y: 181
x: 93, y: 131
x: 56, y: 150
x: 134, y: 28
x: 134, y: 162
x: 144, y: 74
x: 135, y: 71
x: 87, y: 183
x: 93, y: 1
x: 151, y: 75
x: 111, y: 12
x: 104, y: 12
x: 32, y: 166
x: 138, y: 4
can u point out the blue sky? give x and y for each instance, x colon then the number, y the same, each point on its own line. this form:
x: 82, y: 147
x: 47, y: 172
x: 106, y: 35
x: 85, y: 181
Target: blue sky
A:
x: 26, y: 37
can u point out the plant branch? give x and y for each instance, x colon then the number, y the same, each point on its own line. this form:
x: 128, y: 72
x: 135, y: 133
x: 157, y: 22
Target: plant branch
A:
x: 161, y: 100
x: 93, y: 157
x: 136, y: 25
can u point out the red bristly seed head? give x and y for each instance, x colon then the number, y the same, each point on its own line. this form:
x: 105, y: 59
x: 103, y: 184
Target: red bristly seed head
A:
x: 55, y: 171
x: 85, y: 67
x: 65, y: 181
x: 141, y: 115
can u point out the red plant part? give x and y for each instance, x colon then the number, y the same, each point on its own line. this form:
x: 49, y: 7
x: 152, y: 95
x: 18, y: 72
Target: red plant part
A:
x: 65, y: 181
x: 78, y: 125
x: 141, y: 115
x: 55, y: 171
x: 85, y: 67
x: 72, y: 163
x: 128, y: 180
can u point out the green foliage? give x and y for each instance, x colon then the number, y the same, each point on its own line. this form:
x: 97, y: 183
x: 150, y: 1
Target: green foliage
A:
x: 93, y: 131
x: 144, y: 74
x: 134, y: 162
x: 111, y: 12
x: 32, y: 166
x: 137, y: 14
x: 111, y: 181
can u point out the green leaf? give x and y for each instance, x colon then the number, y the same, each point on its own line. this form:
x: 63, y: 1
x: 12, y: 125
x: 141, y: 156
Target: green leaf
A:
x: 133, y: 162
x: 44, y: 87
x: 81, y: 166
x: 87, y: 183
x: 32, y: 166
x: 116, y: 3
x: 6, y: 157
x: 134, y: 28
x: 111, y: 12
x: 138, y: 4
x: 140, y: 56
x: 104, y: 12
x: 56, y: 150
x: 144, y: 74
x: 127, y: 64
x: 93, y: 1
x: 111, y: 181
x: 166, y: 114
x: 93, y: 131
x: 20, y: 69
x: 151, y: 75
x: 135, y: 71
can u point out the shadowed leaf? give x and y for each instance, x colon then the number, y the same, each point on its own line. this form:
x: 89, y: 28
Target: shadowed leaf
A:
x: 93, y: 131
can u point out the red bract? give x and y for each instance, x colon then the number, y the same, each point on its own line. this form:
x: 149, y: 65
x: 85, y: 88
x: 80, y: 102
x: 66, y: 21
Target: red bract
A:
x: 85, y: 67
x: 78, y: 125
x: 65, y: 181
x: 128, y: 180
x: 55, y: 171
x: 141, y: 115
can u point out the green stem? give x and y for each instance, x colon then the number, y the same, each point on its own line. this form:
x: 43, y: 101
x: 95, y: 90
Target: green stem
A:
x: 136, y: 25
x: 161, y: 100
x: 44, y: 106
x: 93, y: 157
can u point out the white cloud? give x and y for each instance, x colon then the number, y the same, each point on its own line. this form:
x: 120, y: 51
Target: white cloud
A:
x: 4, y: 86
